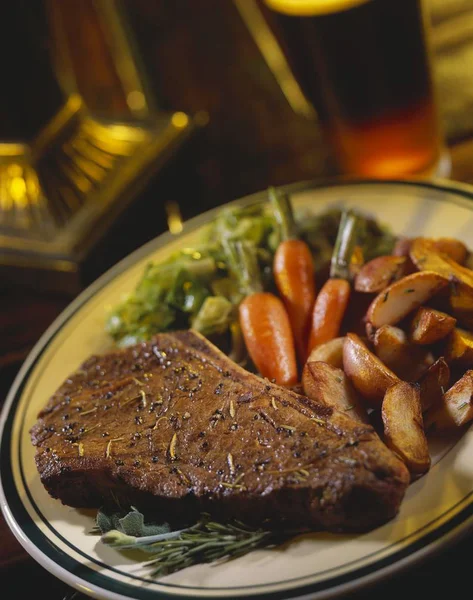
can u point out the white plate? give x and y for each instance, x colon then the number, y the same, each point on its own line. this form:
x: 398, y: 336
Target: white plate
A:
x: 435, y: 510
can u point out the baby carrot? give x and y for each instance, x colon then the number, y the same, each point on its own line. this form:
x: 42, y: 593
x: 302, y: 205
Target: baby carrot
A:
x: 294, y: 275
x: 263, y: 319
x: 329, y: 309
x: 293, y: 270
x: 332, y: 300
x: 268, y: 337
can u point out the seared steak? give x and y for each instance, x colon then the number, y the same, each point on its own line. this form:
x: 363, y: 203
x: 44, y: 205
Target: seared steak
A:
x: 174, y: 424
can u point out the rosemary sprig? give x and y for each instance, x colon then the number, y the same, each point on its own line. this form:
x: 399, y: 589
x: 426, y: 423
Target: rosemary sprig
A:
x: 206, y: 541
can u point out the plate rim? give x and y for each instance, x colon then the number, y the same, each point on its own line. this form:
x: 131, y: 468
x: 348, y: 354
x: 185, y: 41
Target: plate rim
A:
x: 463, y: 195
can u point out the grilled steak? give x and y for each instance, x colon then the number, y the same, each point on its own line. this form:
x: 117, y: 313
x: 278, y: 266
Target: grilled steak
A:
x: 174, y: 424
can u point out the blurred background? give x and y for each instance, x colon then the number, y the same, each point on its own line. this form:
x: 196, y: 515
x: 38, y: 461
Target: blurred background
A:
x: 121, y: 119
x: 213, y: 110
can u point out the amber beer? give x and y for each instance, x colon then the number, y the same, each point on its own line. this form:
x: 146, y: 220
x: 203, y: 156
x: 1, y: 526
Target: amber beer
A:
x: 364, y: 65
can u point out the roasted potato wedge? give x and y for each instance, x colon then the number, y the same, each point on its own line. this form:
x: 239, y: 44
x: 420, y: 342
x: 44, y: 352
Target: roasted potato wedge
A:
x: 330, y: 386
x: 402, y: 247
x: 380, y: 272
x: 453, y: 248
x: 429, y: 326
x: 404, y: 359
x: 455, y: 408
x: 426, y: 256
x: 433, y: 383
x: 404, y: 296
x: 367, y: 373
x: 459, y: 348
x: 404, y: 428
x: 330, y: 352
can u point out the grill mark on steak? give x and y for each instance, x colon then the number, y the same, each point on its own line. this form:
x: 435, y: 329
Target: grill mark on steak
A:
x: 156, y: 425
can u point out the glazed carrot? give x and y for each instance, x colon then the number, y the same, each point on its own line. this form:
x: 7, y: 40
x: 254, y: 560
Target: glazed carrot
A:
x: 332, y: 300
x: 329, y: 309
x: 293, y: 270
x: 294, y: 275
x: 268, y: 337
x: 263, y: 318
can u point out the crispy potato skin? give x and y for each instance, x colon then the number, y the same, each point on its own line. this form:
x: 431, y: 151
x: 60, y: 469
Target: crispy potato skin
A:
x: 330, y: 386
x: 455, y: 408
x: 368, y: 374
x: 404, y: 296
x: 459, y: 348
x: 429, y: 326
x: 330, y: 352
x: 380, y: 272
x: 433, y: 383
x: 406, y: 360
x: 426, y: 257
x: 403, y: 426
x: 402, y: 247
x: 453, y: 248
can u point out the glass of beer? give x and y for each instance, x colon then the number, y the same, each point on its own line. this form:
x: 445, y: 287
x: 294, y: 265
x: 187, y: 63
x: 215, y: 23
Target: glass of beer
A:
x: 364, y: 65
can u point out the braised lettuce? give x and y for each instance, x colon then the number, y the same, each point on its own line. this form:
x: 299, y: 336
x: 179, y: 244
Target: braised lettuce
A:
x: 195, y: 287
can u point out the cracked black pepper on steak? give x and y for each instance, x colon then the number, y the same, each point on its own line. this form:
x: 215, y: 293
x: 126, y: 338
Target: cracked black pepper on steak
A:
x: 173, y: 424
